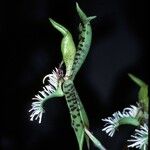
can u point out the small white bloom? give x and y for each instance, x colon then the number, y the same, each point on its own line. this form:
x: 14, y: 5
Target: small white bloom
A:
x: 112, y: 123
x: 140, y: 138
x: 37, y: 106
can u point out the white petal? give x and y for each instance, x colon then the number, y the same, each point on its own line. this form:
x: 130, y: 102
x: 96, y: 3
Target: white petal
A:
x: 140, y: 138
x: 37, y: 106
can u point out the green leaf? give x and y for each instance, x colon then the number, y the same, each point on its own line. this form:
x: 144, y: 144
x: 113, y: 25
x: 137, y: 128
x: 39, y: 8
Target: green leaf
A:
x: 77, y: 112
x: 143, y: 92
x: 68, y: 48
x: 85, y: 120
x: 85, y: 38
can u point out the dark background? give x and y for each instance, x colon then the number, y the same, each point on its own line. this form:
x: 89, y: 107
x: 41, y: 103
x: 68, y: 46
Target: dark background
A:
x: 30, y: 49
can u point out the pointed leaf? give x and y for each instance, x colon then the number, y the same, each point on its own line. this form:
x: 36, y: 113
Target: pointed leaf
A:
x: 143, y: 92
x: 78, y: 115
x: 68, y: 48
x: 85, y: 38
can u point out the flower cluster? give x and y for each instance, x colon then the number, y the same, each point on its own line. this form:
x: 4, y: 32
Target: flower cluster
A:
x: 37, y: 106
x: 140, y: 138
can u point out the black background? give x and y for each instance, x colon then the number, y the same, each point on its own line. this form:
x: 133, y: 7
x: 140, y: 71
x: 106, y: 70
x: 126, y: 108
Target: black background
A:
x: 30, y: 49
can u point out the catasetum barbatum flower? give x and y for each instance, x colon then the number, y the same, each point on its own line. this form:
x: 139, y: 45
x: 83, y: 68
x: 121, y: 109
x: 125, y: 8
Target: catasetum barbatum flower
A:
x: 140, y: 138
x: 118, y: 118
x: 50, y: 90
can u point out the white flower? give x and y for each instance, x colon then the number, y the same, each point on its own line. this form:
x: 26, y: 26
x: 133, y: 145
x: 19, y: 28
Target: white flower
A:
x: 37, y: 106
x: 112, y: 123
x: 140, y: 138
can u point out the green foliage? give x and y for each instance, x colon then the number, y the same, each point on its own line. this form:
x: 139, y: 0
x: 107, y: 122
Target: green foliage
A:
x: 78, y: 115
x: 67, y: 47
x: 62, y: 85
x: 143, y: 92
x: 73, y: 61
x: 85, y: 38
